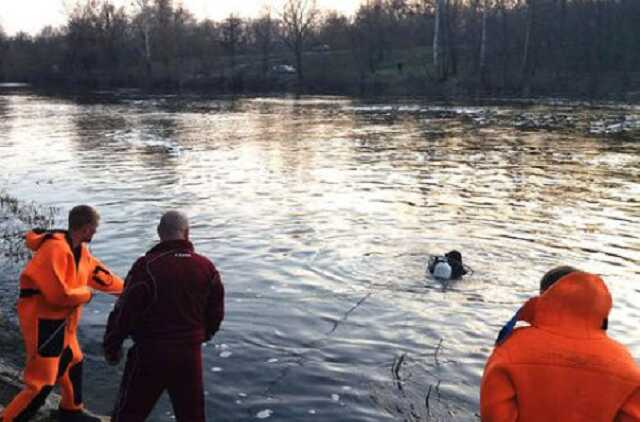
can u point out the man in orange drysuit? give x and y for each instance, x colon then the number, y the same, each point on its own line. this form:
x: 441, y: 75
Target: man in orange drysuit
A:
x: 563, y: 367
x: 54, y: 285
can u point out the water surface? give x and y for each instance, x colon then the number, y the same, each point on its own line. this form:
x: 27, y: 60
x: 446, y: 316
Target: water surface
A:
x: 321, y: 213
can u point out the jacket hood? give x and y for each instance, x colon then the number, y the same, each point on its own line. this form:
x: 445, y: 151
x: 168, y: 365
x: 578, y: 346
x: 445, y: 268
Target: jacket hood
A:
x: 36, y: 237
x: 576, y: 305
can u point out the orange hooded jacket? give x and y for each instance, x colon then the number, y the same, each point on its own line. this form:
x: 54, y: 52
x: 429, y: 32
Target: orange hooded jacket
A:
x: 53, y: 287
x: 563, y: 367
x: 58, y: 280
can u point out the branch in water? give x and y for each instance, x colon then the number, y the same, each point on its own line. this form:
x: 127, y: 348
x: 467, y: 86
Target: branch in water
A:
x: 435, y: 353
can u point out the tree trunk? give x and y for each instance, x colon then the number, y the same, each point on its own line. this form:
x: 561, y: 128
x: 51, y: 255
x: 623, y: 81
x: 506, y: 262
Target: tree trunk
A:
x: 525, y: 73
x: 298, y: 54
x: 598, y: 51
x: 265, y: 63
x: 564, y: 68
x: 147, y: 52
x: 483, y: 44
x: 437, y: 41
x: 232, y: 53
x: 505, y: 46
x: 450, y: 40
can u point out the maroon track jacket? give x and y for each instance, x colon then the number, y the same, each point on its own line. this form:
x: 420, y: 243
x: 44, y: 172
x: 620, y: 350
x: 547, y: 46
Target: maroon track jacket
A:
x: 171, y: 295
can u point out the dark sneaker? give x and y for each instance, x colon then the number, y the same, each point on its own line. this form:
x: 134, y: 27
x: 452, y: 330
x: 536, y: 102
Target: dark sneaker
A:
x: 77, y: 416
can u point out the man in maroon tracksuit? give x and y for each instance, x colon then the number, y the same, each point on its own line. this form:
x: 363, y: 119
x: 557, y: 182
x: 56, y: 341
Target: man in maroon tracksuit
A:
x: 173, y: 300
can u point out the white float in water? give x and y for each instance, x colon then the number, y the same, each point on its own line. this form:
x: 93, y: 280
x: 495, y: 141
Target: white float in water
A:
x: 264, y: 414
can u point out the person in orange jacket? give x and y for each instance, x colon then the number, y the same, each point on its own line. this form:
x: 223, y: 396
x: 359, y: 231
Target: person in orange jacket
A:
x: 54, y: 285
x: 563, y: 367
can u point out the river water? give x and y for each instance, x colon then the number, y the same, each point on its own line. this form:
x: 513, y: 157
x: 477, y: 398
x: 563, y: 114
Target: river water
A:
x: 321, y: 213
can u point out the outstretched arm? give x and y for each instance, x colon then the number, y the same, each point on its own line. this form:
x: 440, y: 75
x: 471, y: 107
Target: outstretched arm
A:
x: 103, y: 279
x: 133, y: 301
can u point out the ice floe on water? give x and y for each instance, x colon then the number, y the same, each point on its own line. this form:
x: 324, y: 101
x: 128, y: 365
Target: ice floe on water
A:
x: 264, y: 414
x: 225, y: 354
x: 547, y: 121
x: 615, y: 126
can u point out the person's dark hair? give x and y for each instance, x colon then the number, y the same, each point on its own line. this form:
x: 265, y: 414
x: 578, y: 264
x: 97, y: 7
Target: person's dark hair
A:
x: 81, y: 215
x: 554, y: 275
x: 455, y: 255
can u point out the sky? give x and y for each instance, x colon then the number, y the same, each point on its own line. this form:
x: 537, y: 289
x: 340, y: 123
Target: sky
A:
x: 33, y: 15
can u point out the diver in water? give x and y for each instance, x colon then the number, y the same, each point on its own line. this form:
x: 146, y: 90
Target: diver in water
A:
x: 447, y: 267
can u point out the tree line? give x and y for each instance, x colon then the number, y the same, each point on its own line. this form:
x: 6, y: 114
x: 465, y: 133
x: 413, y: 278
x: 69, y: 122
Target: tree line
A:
x: 580, y: 48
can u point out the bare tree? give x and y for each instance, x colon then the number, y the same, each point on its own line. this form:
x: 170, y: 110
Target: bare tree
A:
x: 112, y: 26
x: 527, y: 67
x: 369, y: 37
x: 3, y: 38
x: 184, y: 23
x: 590, y: 46
x: 483, y: 43
x: 264, y: 32
x: 145, y: 23
x: 83, y: 39
x: 452, y: 20
x: 334, y: 31
x: 210, y: 47
x: 438, y: 40
x: 164, y: 32
x: 231, y: 37
x: 298, y: 19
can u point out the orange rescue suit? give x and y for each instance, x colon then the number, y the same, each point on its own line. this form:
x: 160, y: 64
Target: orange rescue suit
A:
x: 563, y: 367
x: 53, y: 287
